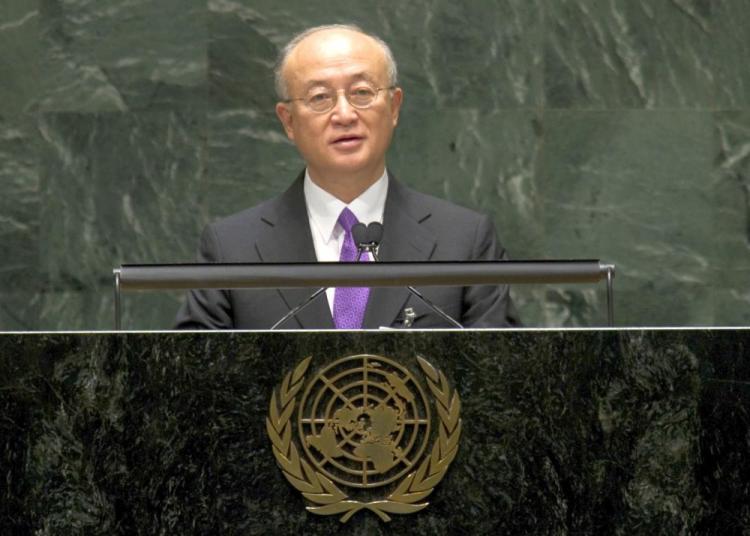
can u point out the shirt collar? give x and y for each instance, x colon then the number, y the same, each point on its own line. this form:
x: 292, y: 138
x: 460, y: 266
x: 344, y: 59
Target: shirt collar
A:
x: 324, y: 209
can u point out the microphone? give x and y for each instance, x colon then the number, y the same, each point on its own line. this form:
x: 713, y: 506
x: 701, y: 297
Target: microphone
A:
x: 368, y: 239
x: 359, y: 235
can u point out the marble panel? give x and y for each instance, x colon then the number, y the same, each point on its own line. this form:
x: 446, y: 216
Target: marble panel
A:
x: 20, y: 206
x: 249, y: 160
x: 731, y: 226
x: 724, y: 473
x: 498, y: 49
x: 19, y: 55
x: 486, y: 162
x: 475, y: 55
x: 20, y: 202
x: 114, y: 55
x: 92, y: 309
x: 149, y: 310
x: 731, y: 307
x: 664, y: 303
x: 118, y: 188
x: 240, y: 57
x: 569, y: 306
x: 634, y: 188
x: 583, y: 432
x: 19, y: 310
x: 644, y: 54
x: 730, y: 45
x: 65, y: 306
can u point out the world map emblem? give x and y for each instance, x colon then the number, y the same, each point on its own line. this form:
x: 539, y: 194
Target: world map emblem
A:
x: 360, y: 435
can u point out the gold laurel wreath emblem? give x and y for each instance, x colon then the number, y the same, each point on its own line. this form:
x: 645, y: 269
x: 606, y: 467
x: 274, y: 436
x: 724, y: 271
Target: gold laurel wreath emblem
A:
x: 327, y: 496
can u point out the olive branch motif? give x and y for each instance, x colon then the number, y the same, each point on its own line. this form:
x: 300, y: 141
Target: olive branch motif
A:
x: 409, y: 495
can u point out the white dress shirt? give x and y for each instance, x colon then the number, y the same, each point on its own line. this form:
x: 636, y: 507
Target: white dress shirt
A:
x: 323, y: 210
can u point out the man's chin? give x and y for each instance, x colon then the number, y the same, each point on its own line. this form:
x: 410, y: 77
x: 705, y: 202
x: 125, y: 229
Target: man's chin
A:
x: 349, y: 168
x: 349, y: 164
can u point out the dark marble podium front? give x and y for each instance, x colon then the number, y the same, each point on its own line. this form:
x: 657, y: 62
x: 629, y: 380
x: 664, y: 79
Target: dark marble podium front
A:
x: 565, y: 432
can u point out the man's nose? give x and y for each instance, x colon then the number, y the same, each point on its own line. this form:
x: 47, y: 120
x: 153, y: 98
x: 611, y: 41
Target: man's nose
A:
x: 343, y: 112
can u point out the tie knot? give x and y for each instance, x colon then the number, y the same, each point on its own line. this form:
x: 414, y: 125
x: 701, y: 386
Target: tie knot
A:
x: 347, y: 219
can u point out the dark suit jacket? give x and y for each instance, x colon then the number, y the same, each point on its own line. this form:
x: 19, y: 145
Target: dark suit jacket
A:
x: 417, y: 227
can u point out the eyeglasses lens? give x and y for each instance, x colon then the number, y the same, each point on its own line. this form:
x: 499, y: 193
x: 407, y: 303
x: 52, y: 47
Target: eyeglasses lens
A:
x: 359, y: 97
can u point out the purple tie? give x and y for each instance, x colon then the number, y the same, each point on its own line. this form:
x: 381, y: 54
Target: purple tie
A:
x: 349, y: 302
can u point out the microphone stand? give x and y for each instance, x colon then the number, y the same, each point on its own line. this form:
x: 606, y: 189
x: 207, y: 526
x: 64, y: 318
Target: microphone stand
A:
x: 371, y: 247
x: 368, y: 239
x: 299, y: 307
x: 314, y: 295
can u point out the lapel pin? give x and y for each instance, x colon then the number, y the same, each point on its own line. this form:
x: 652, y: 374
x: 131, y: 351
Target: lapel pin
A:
x: 409, y: 316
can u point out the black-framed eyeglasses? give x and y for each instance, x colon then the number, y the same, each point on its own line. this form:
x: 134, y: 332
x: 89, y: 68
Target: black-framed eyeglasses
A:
x: 322, y: 100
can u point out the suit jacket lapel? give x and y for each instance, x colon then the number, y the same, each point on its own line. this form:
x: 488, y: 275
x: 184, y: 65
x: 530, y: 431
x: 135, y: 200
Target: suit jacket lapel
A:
x: 288, y: 239
x: 404, y: 239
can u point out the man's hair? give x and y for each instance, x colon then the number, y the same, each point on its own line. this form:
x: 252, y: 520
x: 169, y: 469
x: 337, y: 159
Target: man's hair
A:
x: 282, y: 91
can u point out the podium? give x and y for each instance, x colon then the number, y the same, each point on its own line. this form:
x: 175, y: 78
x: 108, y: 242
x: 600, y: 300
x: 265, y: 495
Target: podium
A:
x: 563, y: 432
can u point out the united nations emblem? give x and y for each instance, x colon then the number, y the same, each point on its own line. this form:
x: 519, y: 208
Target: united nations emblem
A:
x: 363, y: 428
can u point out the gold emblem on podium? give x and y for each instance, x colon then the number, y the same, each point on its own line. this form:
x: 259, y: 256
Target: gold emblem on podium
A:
x: 359, y: 435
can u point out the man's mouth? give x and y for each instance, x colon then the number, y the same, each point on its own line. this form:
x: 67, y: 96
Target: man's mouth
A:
x: 347, y: 141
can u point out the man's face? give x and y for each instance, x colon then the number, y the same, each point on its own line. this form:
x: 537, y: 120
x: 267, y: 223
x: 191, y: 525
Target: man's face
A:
x: 345, y: 143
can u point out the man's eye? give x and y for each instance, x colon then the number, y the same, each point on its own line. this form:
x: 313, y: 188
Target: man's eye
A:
x: 319, y: 97
x: 362, y: 92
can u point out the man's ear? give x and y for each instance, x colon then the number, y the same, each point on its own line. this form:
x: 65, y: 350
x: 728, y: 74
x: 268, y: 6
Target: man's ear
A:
x: 397, y: 97
x: 285, y: 116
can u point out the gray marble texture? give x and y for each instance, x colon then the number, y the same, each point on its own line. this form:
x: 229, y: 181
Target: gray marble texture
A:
x: 613, y: 129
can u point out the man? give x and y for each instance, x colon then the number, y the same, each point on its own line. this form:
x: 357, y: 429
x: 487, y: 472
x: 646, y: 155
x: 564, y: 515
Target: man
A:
x: 339, y: 103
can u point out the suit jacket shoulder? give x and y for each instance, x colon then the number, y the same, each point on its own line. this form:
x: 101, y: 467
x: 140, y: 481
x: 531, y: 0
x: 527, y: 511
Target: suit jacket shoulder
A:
x: 458, y: 233
x: 276, y: 230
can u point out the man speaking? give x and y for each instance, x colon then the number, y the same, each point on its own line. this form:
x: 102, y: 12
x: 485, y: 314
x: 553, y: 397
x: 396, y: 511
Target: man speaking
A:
x: 339, y: 103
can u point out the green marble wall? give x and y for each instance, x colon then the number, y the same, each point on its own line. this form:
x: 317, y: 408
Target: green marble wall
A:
x: 614, y: 129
